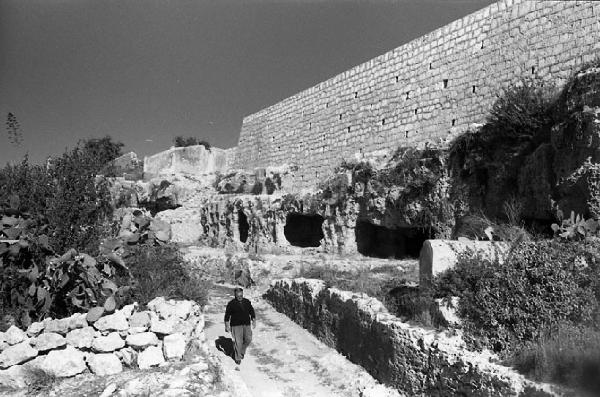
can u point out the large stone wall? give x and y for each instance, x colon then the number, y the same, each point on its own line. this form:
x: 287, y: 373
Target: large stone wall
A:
x: 192, y: 160
x: 429, y: 89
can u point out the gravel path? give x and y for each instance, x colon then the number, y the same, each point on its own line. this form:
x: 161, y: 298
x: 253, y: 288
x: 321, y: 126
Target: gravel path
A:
x: 286, y: 360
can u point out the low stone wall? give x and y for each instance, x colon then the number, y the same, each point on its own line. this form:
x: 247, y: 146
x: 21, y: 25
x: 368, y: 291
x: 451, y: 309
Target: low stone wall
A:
x: 102, y: 344
x: 440, y: 255
x: 414, y: 360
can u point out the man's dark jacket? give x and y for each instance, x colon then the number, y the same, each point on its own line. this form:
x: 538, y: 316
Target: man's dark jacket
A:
x: 239, y: 313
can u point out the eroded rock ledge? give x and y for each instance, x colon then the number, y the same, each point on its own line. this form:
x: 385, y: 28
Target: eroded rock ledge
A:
x: 414, y: 360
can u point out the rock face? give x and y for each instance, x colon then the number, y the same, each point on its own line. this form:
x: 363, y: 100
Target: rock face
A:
x: 413, y: 360
x: 64, y: 363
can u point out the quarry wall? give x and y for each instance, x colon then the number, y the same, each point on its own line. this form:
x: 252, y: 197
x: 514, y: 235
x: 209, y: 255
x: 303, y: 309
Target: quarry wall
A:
x: 428, y: 90
x: 192, y: 160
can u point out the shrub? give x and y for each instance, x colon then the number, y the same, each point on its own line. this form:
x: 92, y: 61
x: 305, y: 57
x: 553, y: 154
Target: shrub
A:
x: 540, y: 285
x: 160, y: 271
x: 257, y: 188
x: 181, y: 141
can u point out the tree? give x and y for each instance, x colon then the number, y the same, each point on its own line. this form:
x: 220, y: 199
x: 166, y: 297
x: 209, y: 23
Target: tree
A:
x: 13, y: 129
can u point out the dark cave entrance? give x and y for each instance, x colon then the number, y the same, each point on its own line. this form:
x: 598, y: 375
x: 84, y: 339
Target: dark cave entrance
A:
x: 383, y: 242
x: 304, y: 230
x: 243, y: 226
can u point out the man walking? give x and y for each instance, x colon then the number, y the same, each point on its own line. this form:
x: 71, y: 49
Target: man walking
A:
x: 238, y: 315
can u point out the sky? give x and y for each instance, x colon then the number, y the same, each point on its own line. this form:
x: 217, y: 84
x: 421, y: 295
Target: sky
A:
x: 146, y: 71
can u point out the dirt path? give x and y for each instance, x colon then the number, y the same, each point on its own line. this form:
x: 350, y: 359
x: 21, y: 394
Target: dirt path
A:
x: 286, y: 360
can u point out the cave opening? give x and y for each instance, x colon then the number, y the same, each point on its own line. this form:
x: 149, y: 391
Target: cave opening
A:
x: 243, y: 226
x: 383, y: 242
x: 303, y: 230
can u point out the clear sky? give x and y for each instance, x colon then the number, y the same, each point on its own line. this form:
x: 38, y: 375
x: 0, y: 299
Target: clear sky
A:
x: 145, y: 71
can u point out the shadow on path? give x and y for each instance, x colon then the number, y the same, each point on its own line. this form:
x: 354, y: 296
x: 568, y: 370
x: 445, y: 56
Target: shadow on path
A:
x: 225, y: 345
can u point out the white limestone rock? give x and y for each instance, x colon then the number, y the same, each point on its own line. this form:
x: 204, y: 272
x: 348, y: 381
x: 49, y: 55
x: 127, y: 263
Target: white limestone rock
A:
x: 174, y: 346
x: 150, y: 357
x: 14, y: 335
x: 140, y: 319
x: 14, y: 377
x: 142, y: 340
x: 60, y: 326
x: 64, y: 363
x: 104, y: 364
x: 78, y: 320
x: 48, y: 341
x: 82, y: 338
x: 109, y: 343
x: 35, y: 328
x: 112, y: 322
x: 17, y: 354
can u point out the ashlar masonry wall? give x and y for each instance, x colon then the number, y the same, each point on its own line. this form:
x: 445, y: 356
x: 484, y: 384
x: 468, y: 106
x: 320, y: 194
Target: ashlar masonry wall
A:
x: 430, y: 89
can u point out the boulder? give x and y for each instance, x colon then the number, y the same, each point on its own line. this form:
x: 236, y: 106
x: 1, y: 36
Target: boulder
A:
x: 142, y: 340
x: 128, y: 310
x: 139, y: 319
x: 150, y: 357
x: 81, y: 338
x: 35, y: 328
x: 171, y: 308
x: 104, y: 364
x: 14, y: 335
x: 174, y: 346
x: 17, y: 354
x: 64, y: 363
x: 109, y: 343
x: 60, y: 326
x: 48, y: 341
x: 112, y: 322
x: 440, y: 255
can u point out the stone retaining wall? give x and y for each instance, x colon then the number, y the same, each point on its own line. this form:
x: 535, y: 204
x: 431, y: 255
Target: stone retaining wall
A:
x: 430, y: 89
x: 102, y: 343
x: 414, y: 360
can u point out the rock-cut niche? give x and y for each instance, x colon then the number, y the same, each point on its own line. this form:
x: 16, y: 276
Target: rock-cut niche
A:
x: 383, y: 242
x: 304, y: 230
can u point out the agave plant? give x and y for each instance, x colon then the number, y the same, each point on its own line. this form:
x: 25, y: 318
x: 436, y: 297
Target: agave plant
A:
x: 575, y: 227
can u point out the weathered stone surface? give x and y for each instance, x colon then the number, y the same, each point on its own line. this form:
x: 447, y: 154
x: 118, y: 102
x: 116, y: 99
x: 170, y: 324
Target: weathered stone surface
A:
x: 128, y: 310
x: 81, y: 338
x: 150, y: 357
x: 64, y: 363
x: 60, y: 326
x: 14, y: 377
x: 109, y: 343
x: 17, y: 354
x: 162, y: 327
x: 104, y: 364
x: 112, y: 322
x: 14, y: 335
x: 78, y: 320
x: 35, y: 328
x: 440, y: 255
x: 140, y: 319
x: 48, y: 341
x: 142, y: 340
x: 168, y: 309
x: 174, y: 346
